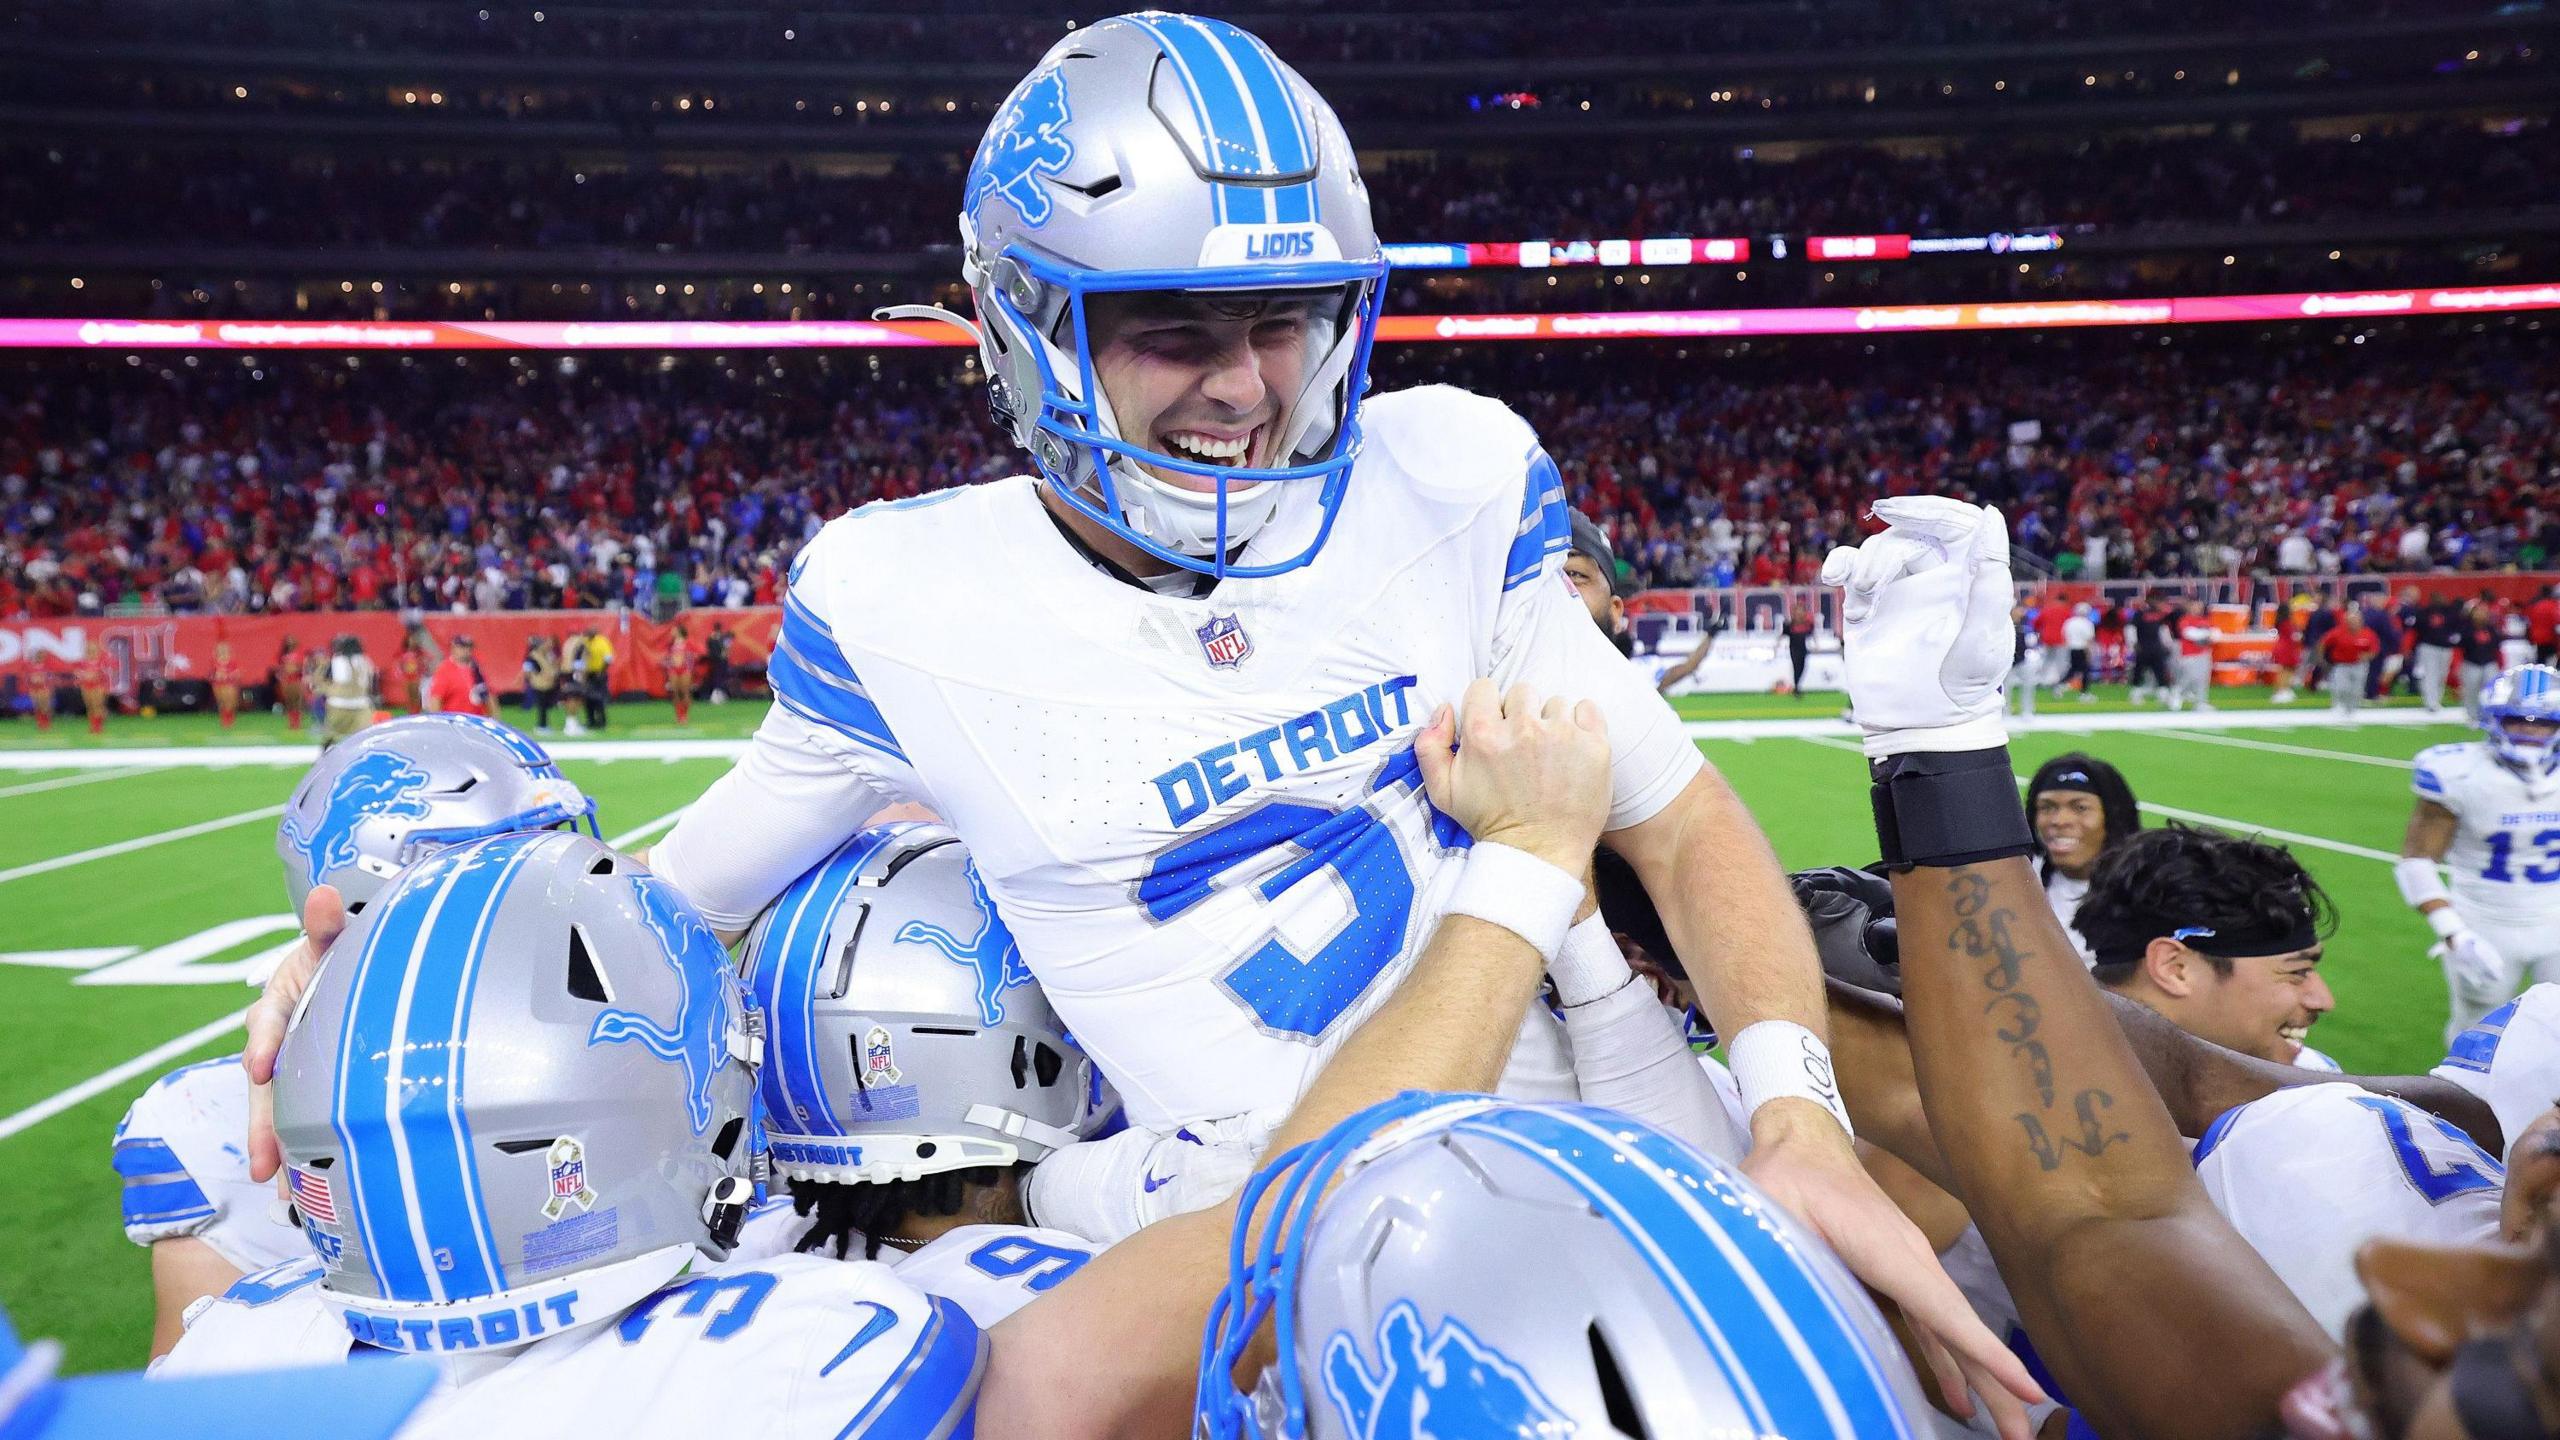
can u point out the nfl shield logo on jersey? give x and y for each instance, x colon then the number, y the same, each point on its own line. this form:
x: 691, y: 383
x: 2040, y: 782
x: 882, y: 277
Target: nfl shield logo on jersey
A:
x: 1223, y: 640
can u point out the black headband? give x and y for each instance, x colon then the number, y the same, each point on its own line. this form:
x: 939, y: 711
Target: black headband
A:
x: 2123, y: 943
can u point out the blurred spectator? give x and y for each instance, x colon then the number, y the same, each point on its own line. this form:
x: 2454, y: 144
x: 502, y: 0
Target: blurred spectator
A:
x: 458, y: 685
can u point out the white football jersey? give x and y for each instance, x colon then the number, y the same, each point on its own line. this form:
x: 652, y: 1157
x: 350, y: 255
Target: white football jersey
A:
x: 829, y: 1347
x: 2309, y: 1174
x: 991, y: 1270
x: 182, y: 1152
x: 2511, y: 1059
x: 1199, y: 816
x: 2505, y: 855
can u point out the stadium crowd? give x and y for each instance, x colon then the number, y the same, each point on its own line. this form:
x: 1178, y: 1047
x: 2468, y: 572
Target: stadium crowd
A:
x: 411, y: 483
x: 73, y: 194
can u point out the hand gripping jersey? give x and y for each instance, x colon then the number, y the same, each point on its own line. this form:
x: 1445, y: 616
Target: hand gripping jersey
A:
x: 181, y: 1152
x: 2505, y: 855
x: 1199, y: 816
x: 2309, y: 1174
x: 820, y: 1349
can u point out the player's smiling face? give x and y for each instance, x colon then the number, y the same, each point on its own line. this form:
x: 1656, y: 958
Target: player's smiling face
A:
x: 2265, y: 1007
x: 1200, y: 377
x: 2073, y: 827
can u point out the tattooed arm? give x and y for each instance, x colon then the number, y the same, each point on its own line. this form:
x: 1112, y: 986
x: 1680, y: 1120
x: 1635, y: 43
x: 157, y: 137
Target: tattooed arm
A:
x: 2155, y: 1316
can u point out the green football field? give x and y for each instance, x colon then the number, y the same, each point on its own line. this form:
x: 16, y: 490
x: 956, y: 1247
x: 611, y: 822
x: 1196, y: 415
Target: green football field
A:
x: 161, y: 878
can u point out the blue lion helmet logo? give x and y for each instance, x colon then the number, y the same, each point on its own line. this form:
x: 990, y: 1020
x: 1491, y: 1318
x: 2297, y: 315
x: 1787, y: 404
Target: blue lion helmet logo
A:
x: 699, y: 1040
x: 1446, y: 1384
x: 992, y: 952
x: 380, y: 784
x: 1024, y: 145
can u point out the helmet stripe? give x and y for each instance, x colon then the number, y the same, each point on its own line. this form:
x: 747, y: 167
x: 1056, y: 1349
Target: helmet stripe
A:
x: 796, y: 1098
x: 1231, y: 129
x: 1276, y: 116
x: 1795, y: 1359
x: 400, y: 1080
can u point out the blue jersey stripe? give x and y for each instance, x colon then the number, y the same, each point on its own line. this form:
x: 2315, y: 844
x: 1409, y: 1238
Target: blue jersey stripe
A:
x: 1546, y: 522
x: 2213, y: 1134
x: 162, y: 1202
x: 140, y: 1156
x: 814, y: 697
x: 1802, y: 1364
x: 937, y: 1379
x: 814, y: 639
x: 2476, y: 1049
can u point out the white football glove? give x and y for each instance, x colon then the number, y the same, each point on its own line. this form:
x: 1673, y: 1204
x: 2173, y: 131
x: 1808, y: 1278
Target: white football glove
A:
x: 1928, y: 639
x: 2474, y: 963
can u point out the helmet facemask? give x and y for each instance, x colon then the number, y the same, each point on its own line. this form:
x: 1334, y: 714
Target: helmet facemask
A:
x: 2530, y: 695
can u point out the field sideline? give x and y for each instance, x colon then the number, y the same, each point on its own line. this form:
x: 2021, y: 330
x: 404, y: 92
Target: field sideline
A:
x: 138, y: 885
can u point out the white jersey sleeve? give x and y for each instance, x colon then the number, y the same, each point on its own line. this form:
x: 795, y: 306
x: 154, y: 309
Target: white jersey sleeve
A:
x: 270, y: 1320
x: 1543, y: 635
x: 2511, y: 1059
x: 790, y: 800
x: 993, y: 1270
x: 181, y: 1153
x: 813, y: 1349
x: 2307, y: 1175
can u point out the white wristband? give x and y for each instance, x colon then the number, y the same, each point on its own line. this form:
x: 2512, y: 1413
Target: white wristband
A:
x: 1519, y: 892
x: 1780, y: 1060
x: 1590, y: 965
x: 2445, y: 922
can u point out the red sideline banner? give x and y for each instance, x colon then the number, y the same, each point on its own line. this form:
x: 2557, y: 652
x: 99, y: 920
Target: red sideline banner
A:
x: 179, y: 648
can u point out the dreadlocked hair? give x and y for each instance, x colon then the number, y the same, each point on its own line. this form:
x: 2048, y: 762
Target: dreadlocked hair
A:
x: 2079, y: 771
x: 843, y: 1213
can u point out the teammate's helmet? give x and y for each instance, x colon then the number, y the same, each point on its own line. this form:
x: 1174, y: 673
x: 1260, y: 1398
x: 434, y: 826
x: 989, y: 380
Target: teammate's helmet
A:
x: 907, y: 1037
x: 1428, y: 1281
x: 2529, y: 693
x: 1156, y: 152
x: 520, y: 1096
x: 405, y: 787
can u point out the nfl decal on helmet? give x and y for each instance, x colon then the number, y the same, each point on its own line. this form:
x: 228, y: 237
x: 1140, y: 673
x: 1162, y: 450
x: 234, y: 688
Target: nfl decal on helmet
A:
x: 407, y: 787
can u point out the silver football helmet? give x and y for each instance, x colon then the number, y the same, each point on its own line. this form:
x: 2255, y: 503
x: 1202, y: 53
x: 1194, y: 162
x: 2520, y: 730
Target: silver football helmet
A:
x: 1170, y: 153
x: 1425, y: 1283
x: 907, y: 1036
x: 407, y: 787
x: 519, y: 1097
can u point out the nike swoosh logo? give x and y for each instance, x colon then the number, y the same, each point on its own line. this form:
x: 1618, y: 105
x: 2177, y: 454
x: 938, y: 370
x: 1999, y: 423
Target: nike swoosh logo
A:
x: 1155, y: 1184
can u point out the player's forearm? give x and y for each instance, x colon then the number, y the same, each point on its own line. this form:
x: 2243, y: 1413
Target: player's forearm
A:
x: 2046, y: 1117
x: 1725, y: 904
x: 1449, y: 1026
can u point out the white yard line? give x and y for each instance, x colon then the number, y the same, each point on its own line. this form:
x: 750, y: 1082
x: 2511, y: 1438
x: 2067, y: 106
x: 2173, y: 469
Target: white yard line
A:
x: 144, y: 842
x: 178, y: 757
x: 2076, y: 722
x: 2312, y: 751
x: 51, y: 1106
x: 2199, y: 817
x: 625, y: 840
x: 65, y: 782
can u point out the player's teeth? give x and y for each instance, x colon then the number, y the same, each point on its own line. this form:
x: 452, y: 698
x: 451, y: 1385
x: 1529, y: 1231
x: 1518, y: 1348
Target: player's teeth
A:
x: 1205, y: 448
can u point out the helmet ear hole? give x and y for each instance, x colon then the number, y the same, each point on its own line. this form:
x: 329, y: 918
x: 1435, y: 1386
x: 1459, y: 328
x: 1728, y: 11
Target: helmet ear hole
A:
x: 1614, y: 1394
x: 727, y: 1141
x: 586, y: 978
x: 1046, y: 1064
